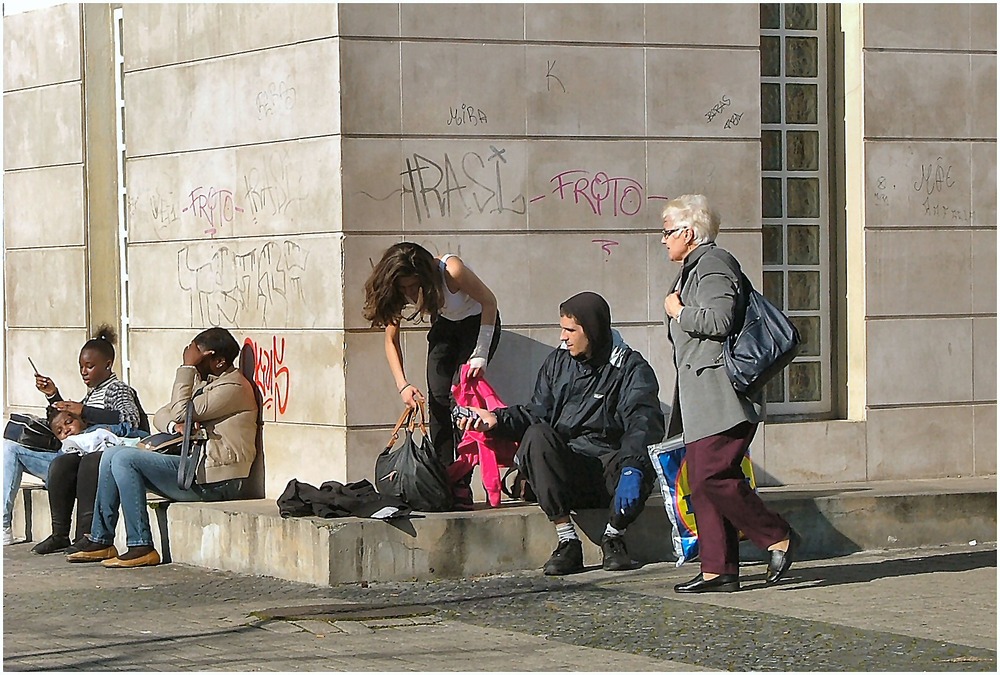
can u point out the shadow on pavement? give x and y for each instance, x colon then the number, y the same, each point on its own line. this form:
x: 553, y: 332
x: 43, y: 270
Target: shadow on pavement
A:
x: 855, y: 573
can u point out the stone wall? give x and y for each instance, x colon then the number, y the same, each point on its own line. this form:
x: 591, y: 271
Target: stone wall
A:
x: 274, y: 151
x: 45, y: 206
x: 930, y: 123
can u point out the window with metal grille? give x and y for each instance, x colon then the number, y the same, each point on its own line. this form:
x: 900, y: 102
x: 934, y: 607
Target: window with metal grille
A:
x: 796, y: 192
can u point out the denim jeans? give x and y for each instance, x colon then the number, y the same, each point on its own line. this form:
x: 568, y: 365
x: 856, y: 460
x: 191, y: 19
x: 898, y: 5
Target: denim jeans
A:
x: 125, y: 475
x: 16, y: 460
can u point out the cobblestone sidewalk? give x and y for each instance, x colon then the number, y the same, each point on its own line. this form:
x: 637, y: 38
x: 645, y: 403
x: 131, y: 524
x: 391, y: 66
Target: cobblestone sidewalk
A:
x: 918, y: 610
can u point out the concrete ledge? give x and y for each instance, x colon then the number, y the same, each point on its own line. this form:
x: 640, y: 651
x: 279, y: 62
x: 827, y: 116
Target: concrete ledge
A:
x: 249, y: 537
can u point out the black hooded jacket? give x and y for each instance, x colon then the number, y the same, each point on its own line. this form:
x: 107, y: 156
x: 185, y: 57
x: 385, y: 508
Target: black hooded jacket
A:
x: 606, y: 407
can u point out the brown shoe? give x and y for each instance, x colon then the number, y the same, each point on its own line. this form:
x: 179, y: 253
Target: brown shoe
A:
x: 95, y: 555
x: 148, y: 560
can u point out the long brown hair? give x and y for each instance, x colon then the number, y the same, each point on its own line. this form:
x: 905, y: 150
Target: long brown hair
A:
x: 384, y: 301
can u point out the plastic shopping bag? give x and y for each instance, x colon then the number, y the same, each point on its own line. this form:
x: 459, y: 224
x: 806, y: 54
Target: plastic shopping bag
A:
x: 670, y: 464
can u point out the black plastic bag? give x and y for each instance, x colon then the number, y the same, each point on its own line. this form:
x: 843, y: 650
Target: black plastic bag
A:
x: 410, y: 470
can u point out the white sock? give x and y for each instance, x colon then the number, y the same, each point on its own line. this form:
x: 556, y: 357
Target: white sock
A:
x: 612, y: 531
x: 566, y: 532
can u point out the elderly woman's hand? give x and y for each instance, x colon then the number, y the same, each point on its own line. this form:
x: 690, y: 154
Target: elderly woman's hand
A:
x: 672, y: 305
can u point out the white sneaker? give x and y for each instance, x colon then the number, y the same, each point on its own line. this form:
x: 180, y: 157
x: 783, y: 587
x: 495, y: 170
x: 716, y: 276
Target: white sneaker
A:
x: 8, y: 536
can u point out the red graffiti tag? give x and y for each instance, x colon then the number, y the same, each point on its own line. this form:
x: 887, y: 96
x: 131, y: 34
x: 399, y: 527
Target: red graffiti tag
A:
x: 270, y: 375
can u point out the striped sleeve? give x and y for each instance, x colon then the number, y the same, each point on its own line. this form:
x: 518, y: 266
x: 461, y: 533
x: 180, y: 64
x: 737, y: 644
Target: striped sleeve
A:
x: 121, y: 397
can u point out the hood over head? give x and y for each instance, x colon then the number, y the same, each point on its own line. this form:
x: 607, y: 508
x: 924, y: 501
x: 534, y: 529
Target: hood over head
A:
x: 593, y: 313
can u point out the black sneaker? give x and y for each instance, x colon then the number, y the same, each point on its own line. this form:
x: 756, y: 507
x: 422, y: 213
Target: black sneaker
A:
x: 616, y: 556
x: 52, y: 544
x: 566, y: 559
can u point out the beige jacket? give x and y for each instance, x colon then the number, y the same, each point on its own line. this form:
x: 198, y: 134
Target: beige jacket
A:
x: 226, y: 408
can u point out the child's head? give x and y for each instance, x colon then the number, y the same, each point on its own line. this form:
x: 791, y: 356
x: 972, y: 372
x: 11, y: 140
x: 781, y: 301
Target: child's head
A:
x: 98, y: 356
x: 65, y: 424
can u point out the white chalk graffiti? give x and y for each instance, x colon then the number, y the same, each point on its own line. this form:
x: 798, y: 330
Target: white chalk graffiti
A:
x: 256, y: 288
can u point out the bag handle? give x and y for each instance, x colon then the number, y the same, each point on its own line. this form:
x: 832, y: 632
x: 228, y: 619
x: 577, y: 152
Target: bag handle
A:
x: 403, y: 420
x: 188, y: 467
x: 423, y: 419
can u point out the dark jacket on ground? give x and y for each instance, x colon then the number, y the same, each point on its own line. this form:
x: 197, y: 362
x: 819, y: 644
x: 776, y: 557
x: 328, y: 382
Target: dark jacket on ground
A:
x: 606, y: 407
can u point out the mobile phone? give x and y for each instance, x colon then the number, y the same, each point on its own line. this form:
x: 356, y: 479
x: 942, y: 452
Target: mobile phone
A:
x: 33, y: 366
x: 460, y: 412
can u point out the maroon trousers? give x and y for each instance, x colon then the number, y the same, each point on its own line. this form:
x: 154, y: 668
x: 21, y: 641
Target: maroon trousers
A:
x: 723, y: 502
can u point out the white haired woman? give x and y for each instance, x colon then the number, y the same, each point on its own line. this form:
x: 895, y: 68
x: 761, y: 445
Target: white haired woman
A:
x: 717, y: 423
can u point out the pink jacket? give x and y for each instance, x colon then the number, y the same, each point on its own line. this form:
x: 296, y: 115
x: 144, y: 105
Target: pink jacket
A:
x: 476, y: 447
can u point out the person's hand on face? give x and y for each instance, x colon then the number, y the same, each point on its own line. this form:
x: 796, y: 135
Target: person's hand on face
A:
x: 194, y: 356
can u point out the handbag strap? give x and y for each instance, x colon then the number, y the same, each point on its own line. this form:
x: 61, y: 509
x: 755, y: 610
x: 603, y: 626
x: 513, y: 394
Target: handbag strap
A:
x: 403, y: 420
x: 188, y: 467
x: 423, y: 420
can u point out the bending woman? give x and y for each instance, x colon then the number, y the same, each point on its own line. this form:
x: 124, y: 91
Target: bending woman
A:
x: 108, y: 401
x: 465, y: 326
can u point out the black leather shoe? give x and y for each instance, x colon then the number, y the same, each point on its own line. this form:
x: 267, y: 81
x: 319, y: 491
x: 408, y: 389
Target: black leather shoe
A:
x: 781, y: 560
x: 566, y: 559
x: 724, y: 583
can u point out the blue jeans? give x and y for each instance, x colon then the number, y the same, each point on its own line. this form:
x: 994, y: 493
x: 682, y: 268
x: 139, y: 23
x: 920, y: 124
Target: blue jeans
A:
x: 16, y: 460
x: 125, y: 475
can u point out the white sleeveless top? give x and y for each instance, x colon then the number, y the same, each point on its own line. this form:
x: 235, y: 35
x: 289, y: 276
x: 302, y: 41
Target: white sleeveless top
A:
x: 457, y: 306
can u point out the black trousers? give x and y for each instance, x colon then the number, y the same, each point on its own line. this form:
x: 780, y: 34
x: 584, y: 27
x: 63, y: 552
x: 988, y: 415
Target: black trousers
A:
x: 450, y: 344
x: 73, y: 478
x: 564, y: 480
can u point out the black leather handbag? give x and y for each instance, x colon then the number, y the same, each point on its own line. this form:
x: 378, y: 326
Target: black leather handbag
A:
x: 190, y: 445
x: 412, y: 471
x: 764, y: 344
x: 31, y: 432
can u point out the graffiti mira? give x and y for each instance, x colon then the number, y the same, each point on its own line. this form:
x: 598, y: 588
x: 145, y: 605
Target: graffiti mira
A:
x: 256, y: 288
x: 270, y: 374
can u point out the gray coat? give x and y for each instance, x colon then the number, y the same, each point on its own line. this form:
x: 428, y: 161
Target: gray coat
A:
x: 705, y: 402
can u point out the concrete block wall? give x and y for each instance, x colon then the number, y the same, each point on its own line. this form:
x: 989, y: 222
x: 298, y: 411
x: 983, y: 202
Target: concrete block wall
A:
x: 274, y: 151
x: 45, y: 209
x: 930, y: 239
x: 538, y: 142
x: 233, y: 173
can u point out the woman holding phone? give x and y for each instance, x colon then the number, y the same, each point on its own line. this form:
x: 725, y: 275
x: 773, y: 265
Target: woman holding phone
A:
x: 108, y: 401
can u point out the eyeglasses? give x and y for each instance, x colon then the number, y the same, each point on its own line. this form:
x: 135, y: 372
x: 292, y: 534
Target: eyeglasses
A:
x: 671, y: 232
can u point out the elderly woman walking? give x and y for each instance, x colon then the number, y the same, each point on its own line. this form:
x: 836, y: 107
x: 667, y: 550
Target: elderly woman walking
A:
x: 718, y: 423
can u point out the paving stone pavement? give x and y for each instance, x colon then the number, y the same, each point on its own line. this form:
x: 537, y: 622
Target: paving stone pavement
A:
x: 913, y: 610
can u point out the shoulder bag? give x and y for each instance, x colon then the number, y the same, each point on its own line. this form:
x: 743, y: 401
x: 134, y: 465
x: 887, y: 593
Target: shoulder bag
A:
x: 190, y: 445
x: 411, y: 471
x: 764, y: 343
x: 31, y: 432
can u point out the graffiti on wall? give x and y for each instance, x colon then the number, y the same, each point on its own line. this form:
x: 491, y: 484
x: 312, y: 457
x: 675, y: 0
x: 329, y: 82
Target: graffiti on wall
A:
x: 257, y: 288
x: 270, y: 374
x: 445, y: 186
x: 934, y: 186
x: 599, y: 192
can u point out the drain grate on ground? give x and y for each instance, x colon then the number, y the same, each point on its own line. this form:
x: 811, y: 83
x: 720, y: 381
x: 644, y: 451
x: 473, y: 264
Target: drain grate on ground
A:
x: 343, y: 611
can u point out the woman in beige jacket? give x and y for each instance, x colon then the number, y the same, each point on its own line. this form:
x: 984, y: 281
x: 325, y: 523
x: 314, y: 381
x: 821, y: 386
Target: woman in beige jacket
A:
x: 224, y: 406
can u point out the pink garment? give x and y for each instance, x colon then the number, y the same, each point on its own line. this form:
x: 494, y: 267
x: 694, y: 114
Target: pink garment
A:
x: 476, y: 448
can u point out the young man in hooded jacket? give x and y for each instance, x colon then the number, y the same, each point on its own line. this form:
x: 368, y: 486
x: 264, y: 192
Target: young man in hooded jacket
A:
x: 584, y: 436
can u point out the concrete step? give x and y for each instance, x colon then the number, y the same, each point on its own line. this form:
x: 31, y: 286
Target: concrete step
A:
x: 249, y: 537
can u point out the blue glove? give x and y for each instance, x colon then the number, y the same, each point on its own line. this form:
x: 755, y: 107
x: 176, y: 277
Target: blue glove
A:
x: 627, y: 493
